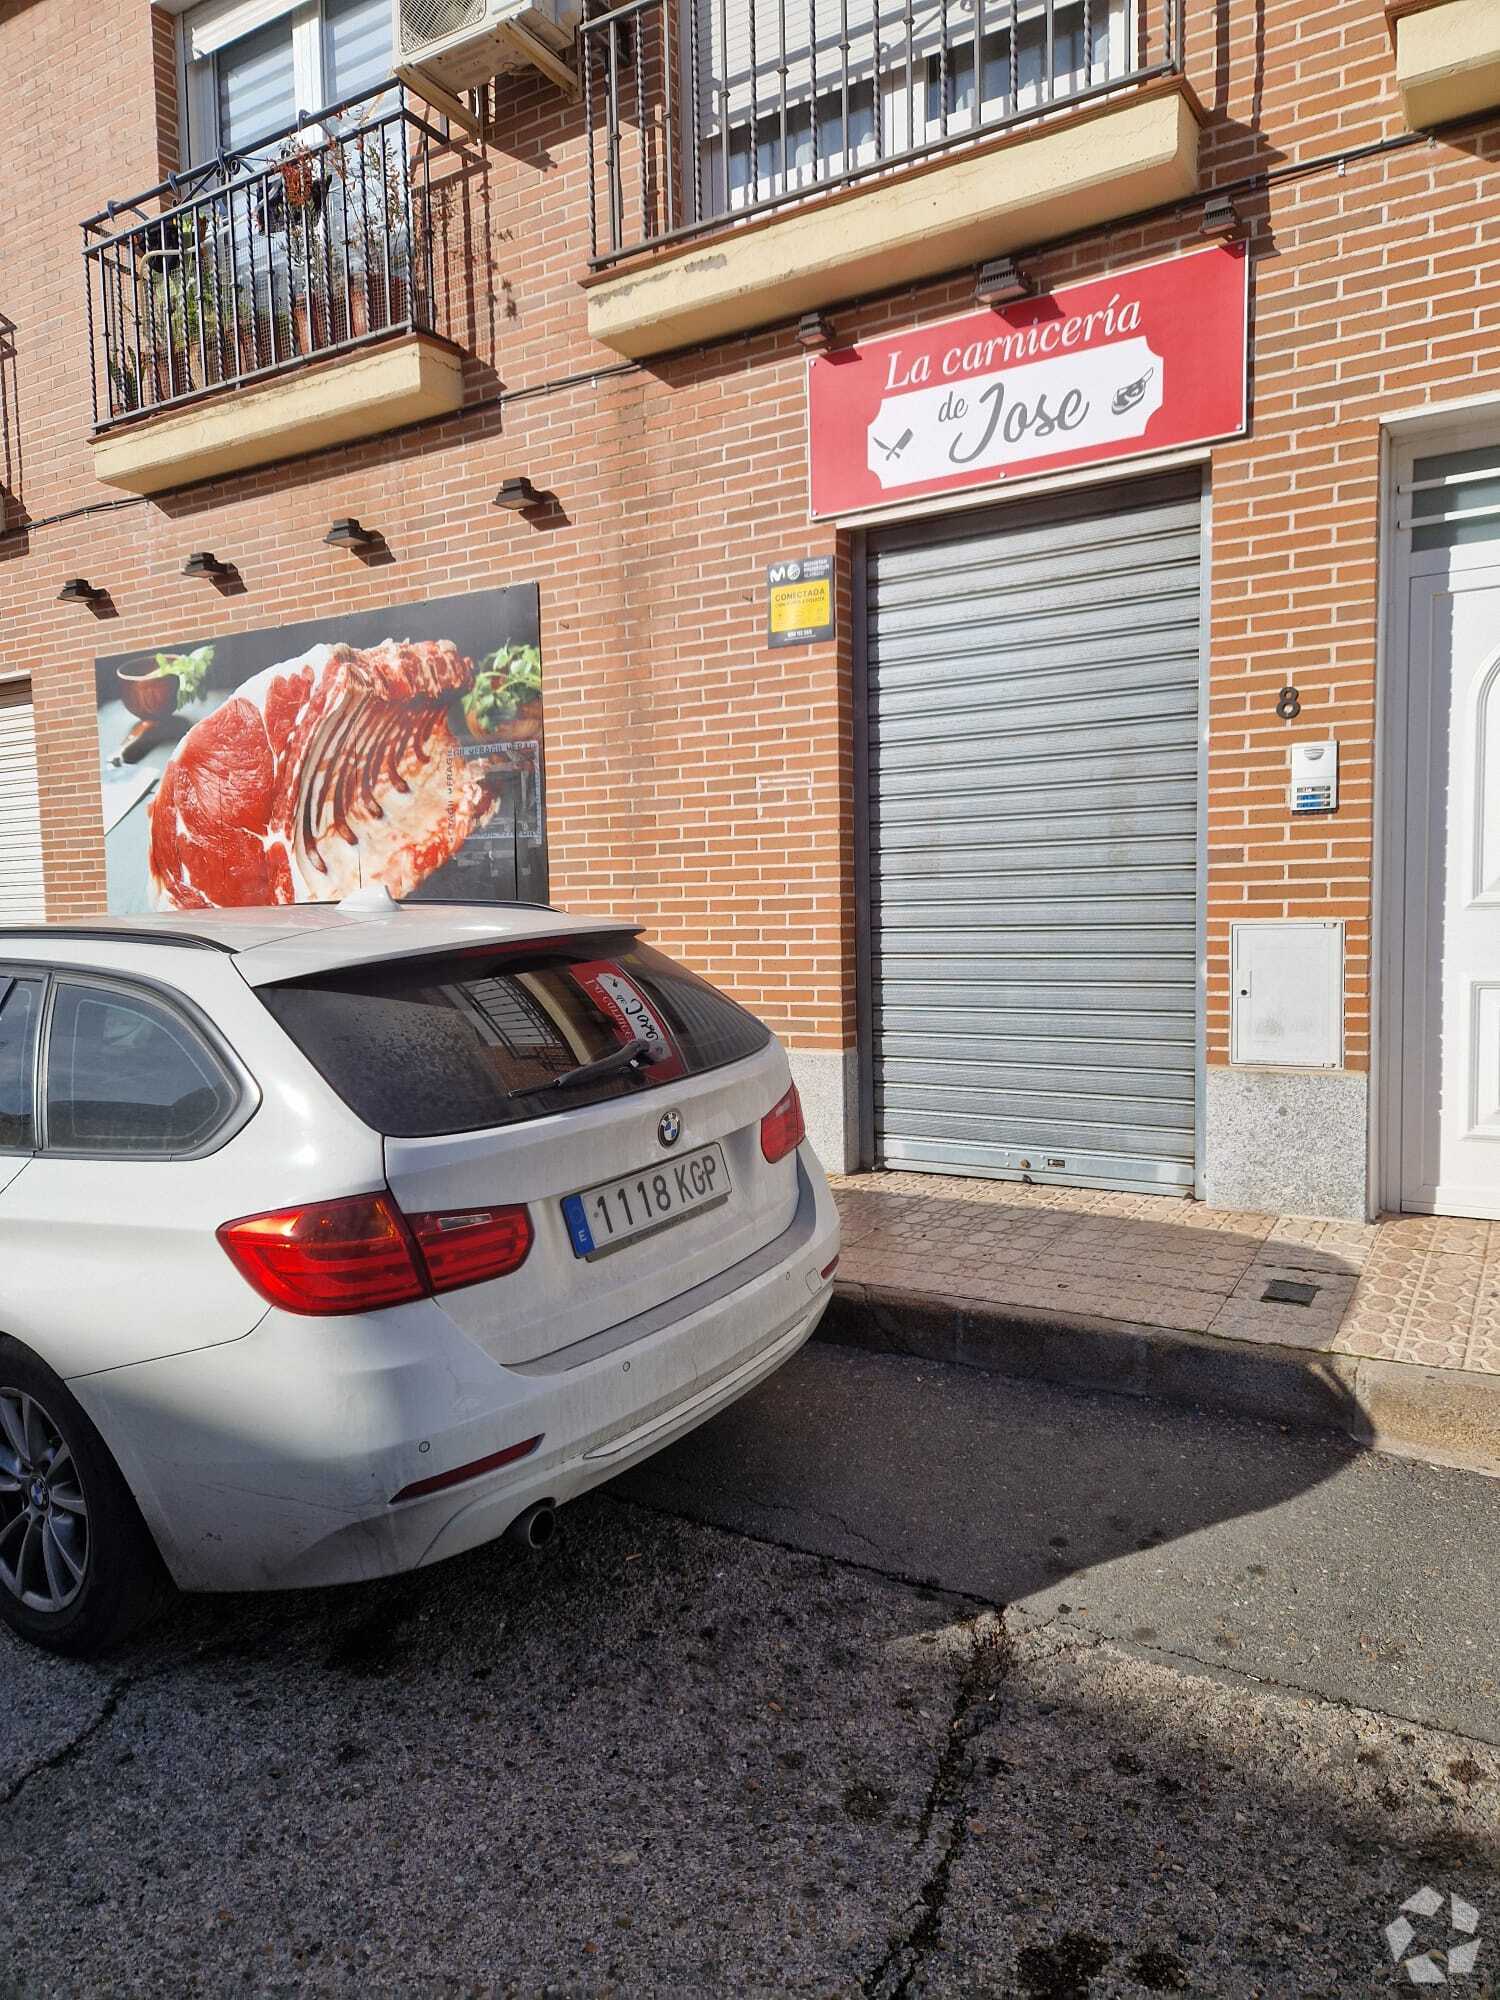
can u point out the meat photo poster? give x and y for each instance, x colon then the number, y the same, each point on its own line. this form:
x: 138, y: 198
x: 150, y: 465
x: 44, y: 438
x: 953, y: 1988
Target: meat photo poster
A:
x: 300, y: 762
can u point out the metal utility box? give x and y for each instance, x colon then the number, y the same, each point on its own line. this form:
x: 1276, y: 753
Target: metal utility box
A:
x: 1287, y: 993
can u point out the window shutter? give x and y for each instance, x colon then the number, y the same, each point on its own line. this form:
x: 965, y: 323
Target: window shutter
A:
x: 214, y: 27
x: 356, y: 47
x: 257, y: 86
x: 20, y: 808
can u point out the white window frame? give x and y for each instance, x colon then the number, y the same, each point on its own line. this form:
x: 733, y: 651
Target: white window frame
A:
x: 205, y: 29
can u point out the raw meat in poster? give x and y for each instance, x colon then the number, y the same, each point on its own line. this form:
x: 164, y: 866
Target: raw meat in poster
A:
x: 317, y: 778
x: 398, y: 748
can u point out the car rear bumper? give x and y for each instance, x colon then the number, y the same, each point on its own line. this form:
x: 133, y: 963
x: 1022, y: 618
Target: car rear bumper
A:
x: 270, y: 1462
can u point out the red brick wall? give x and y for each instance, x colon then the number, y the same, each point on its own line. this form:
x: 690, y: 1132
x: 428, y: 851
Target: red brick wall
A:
x: 695, y: 776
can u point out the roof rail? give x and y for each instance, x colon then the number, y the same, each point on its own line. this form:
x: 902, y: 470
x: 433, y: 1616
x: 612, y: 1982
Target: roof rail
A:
x: 475, y: 903
x: 113, y: 934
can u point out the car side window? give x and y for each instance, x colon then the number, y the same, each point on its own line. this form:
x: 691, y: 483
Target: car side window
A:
x: 126, y: 1074
x: 20, y: 1011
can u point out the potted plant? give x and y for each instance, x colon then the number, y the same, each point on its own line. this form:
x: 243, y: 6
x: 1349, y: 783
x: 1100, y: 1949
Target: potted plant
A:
x: 150, y: 693
x: 374, y: 213
x: 294, y: 212
x: 187, y: 312
x: 504, y: 700
x: 124, y: 382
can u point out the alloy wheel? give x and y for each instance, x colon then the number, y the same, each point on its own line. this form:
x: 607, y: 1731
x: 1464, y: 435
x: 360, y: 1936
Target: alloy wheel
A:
x: 44, y: 1518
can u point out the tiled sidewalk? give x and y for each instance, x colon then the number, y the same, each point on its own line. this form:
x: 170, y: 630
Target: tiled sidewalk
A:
x: 1413, y: 1289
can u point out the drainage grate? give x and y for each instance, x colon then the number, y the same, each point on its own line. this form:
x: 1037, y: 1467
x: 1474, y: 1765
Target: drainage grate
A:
x: 1287, y: 1292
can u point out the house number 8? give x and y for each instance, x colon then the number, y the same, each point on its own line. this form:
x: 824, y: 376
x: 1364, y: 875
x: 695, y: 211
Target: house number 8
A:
x: 1288, y: 704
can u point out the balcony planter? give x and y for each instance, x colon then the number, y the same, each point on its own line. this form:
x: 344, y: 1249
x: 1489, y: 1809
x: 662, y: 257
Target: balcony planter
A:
x: 183, y: 370
x: 374, y: 306
x: 312, y: 324
x: 169, y: 374
x: 124, y: 386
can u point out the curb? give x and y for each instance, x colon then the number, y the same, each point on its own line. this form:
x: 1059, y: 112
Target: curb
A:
x: 1444, y: 1416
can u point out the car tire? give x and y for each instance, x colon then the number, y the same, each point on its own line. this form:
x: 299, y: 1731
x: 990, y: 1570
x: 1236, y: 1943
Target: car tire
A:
x: 78, y: 1567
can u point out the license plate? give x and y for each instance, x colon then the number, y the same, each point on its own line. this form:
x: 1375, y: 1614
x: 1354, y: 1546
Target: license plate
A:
x: 603, y: 1218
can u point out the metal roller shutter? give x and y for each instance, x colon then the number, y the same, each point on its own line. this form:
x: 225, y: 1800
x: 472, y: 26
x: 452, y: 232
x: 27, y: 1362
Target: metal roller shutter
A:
x: 1033, y: 690
x: 20, y: 808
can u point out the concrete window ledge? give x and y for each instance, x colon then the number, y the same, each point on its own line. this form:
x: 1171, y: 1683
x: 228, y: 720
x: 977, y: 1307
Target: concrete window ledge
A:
x: 1070, y: 172
x: 1447, y: 58
x: 355, y: 395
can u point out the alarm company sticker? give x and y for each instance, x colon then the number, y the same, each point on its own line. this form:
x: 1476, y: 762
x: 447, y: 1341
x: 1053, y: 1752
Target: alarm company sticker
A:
x: 799, y: 593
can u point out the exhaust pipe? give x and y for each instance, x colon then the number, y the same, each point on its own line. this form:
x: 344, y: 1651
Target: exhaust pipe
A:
x: 536, y: 1527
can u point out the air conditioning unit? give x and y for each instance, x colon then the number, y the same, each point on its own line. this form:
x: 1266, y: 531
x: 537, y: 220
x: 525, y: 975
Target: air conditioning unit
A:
x: 445, y: 47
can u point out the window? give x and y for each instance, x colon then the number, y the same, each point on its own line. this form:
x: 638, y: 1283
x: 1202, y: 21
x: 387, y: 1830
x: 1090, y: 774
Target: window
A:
x: 424, y: 1046
x: 356, y: 47
x: 878, y: 78
x: 1455, y: 500
x: 255, y: 86
x: 126, y: 1074
x: 251, y: 66
x: 20, y: 1010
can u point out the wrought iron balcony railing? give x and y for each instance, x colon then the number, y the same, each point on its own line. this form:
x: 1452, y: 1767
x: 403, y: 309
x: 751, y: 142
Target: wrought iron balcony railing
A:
x: 698, y: 112
x: 316, y: 241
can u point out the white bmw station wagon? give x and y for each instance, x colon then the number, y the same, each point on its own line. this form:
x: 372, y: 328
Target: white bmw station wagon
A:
x: 338, y: 1239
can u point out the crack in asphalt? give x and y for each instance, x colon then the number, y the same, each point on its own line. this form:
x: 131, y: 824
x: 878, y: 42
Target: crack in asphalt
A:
x: 988, y: 1660
x: 66, y: 1752
x: 953, y: 1593
x: 199, y: 1654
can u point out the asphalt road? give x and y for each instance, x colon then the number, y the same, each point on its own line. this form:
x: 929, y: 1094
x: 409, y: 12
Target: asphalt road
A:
x: 1297, y: 1559
x: 800, y: 1711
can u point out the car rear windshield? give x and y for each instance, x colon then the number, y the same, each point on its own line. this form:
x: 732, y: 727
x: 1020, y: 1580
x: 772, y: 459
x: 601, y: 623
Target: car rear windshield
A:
x: 417, y: 1047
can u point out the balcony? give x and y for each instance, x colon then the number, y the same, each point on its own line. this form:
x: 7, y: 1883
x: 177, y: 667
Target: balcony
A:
x: 752, y: 159
x: 1447, y: 58
x: 269, y: 303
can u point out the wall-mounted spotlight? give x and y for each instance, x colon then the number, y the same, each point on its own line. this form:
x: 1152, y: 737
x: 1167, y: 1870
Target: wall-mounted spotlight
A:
x: 348, y: 534
x: 202, y: 563
x: 518, y: 494
x: 1001, y: 282
x: 1222, y: 219
x: 815, y: 331
x: 78, y: 590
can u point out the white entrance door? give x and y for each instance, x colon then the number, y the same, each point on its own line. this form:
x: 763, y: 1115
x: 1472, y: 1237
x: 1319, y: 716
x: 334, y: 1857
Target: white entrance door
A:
x: 1450, y: 983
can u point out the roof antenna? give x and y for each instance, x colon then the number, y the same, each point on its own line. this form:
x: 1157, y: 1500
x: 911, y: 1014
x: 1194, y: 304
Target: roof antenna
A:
x: 373, y: 900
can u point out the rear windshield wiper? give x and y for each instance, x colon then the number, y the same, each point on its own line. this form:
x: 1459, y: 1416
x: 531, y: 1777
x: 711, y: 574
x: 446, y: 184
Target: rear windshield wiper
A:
x: 634, y: 1057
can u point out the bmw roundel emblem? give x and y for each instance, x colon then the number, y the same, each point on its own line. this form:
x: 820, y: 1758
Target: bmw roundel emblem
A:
x: 669, y: 1130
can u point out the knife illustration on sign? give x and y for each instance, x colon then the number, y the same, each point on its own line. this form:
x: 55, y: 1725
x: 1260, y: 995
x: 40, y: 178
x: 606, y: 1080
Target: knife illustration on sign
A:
x: 895, y: 450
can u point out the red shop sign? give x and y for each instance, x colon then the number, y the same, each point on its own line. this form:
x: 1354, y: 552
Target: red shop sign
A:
x: 1147, y: 360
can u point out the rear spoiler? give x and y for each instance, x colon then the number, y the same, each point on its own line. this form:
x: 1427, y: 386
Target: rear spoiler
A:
x: 293, y: 963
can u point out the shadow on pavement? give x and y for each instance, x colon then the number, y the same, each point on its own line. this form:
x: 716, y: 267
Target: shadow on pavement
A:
x: 995, y: 1486
x: 663, y: 1760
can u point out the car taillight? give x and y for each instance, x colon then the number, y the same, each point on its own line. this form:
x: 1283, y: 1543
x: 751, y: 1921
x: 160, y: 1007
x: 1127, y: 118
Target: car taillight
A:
x: 782, y: 1128
x: 361, y: 1253
x: 329, y: 1256
x: 470, y: 1245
